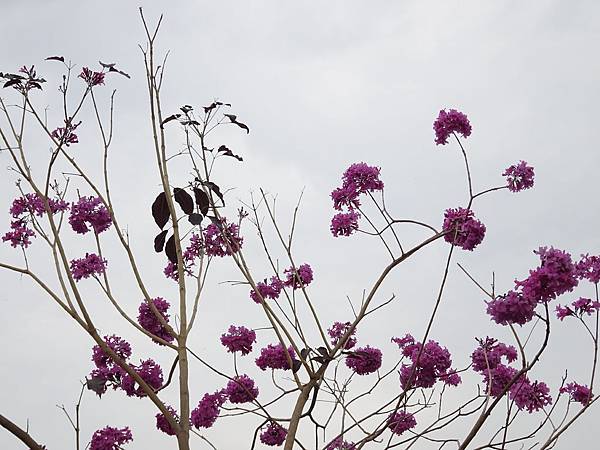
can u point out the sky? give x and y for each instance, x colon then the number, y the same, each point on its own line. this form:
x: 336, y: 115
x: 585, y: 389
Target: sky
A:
x: 321, y: 85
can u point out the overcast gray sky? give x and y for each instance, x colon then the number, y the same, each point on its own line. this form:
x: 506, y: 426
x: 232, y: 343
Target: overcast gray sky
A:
x: 321, y: 85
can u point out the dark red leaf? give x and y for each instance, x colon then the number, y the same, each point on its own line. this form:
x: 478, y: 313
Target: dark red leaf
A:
x: 233, y: 119
x: 195, y: 219
x: 170, y: 250
x: 159, y: 241
x: 160, y: 210
x: 184, y: 200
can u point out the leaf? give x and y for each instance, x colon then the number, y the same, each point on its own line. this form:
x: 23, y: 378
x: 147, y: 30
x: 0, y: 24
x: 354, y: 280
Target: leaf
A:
x: 319, y: 359
x: 159, y: 241
x: 213, y: 187
x: 213, y: 105
x: 56, y: 58
x: 304, y: 353
x: 186, y: 109
x: 233, y: 119
x: 190, y: 122
x: 96, y: 384
x: 160, y: 210
x: 12, y: 82
x: 170, y: 118
x: 195, y: 218
x: 184, y: 200
x: 296, y: 365
x: 201, y: 200
x: 170, y: 250
x: 323, y: 351
x: 224, y: 150
x: 111, y: 68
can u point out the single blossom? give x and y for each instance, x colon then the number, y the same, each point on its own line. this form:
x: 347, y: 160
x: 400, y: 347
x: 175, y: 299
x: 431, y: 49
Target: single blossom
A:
x: 344, y: 224
x: 401, y: 421
x: 162, y: 424
x: 519, y: 177
x: 273, y: 434
x: 298, y: 278
x: 208, y: 409
x: 275, y: 357
x: 364, y: 360
x: 238, y: 339
x: 109, y: 438
x: 91, y: 78
x: 91, y: 265
x: 578, y: 393
x: 462, y: 229
x: 222, y: 239
x: 148, y: 320
x: 241, y: 389
x: 89, y: 211
x: 337, y: 331
x: 448, y: 123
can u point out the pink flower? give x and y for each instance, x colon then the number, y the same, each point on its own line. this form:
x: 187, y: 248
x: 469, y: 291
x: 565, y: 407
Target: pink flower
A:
x: 222, y: 239
x: 448, y: 123
x: 462, y: 229
x: 273, y: 434
x: 91, y: 265
x: 275, y: 357
x: 148, y: 320
x: 241, y: 389
x: 301, y: 277
x: 344, y: 224
x: 401, y: 421
x: 162, y: 423
x: 238, y: 339
x: 208, y: 409
x: 109, y: 438
x: 578, y: 393
x: 91, y: 78
x: 364, y: 360
x: 89, y: 210
x: 519, y: 177
x: 337, y: 331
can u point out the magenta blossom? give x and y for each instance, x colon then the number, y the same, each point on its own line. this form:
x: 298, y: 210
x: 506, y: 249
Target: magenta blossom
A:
x: 149, y: 322
x: 340, y: 444
x: 117, y: 344
x: 34, y: 205
x: 489, y: 354
x: 238, y: 339
x: 512, y: 308
x: 363, y: 178
x: 530, y: 396
x: 448, y: 123
x: 162, y: 424
x: 208, y: 409
x: 345, y: 196
x: 519, y: 177
x: 298, y: 278
x: 91, y: 265
x: 401, y: 421
x: 337, y: 331
x: 222, y: 239
x: 273, y: 434
x: 589, y: 268
x: 275, y: 357
x: 344, y: 224
x: 66, y: 135
x: 462, y: 229
x: 241, y: 389
x: 267, y: 290
x: 91, y: 78
x: 578, y: 308
x: 109, y: 438
x: 150, y: 372
x: 364, y: 360
x: 89, y: 211
x: 578, y: 393
x: 19, y: 234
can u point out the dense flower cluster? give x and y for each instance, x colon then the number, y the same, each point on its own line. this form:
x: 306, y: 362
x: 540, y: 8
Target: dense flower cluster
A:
x: 91, y: 78
x: 19, y: 234
x: 301, y: 277
x: 462, y: 229
x: 162, y: 424
x: 578, y: 393
x: 117, y: 344
x: 241, y: 389
x: 512, y: 307
x: 487, y: 360
x: 519, y: 177
x: 150, y: 372
x: 429, y: 364
x: 273, y: 434
x: 344, y: 224
x: 267, y: 290
x: 222, y: 239
x: 340, y: 444
x: 66, y: 135
x: 91, y: 265
x: 401, y: 421
x: 208, y: 409
x: 358, y: 179
x: 238, y: 339
x: 364, y: 360
x: 89, y: 210
x: 275, y: 357
x: 448, y: 123
x: 110, y: 438
x: 578, y: 308
x: 589, y: 268
x: 149, y: 322
x: 337, y: 331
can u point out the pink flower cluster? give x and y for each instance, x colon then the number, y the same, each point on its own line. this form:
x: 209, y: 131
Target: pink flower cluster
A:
x: 66, y: 135
x: 401, y: 421
x: 190, y: 255
x: 462, y: 229
x: 241, y: 389
x: 267, y: 290
x: 91, y: 78
x: 340, y: 444
x: 19, y: 234
x: 110, y: 438
x: 578, y: 308
x: 358, y: 179
x: 208, y: 409
x: 275, y: 357
x: 89, y: 211
x: 448, y: 123
x: 578, y: 393
x: 429, y: 364
x: 89, y: 266
x: 588, y: 268
x: 238, y: 339
x: 364, y: 360
x: 222, y: 239
x: 519, y: 177
x: 162, y: 424
x: 337, y: 331
x: 302, y: 276
x: 149, y: 322
x: 273, y: 434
